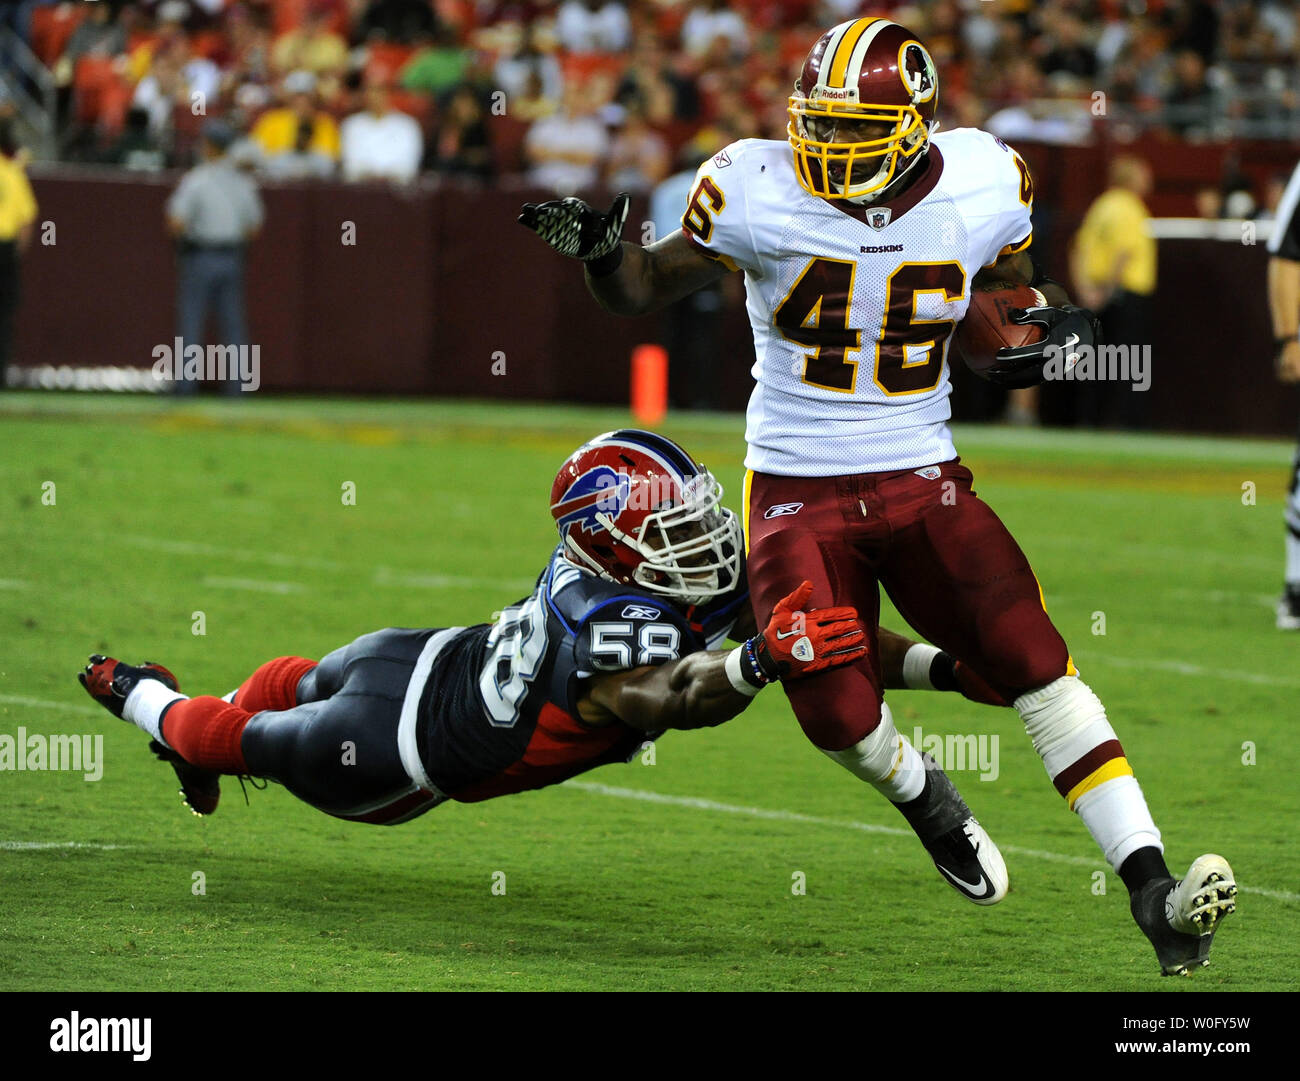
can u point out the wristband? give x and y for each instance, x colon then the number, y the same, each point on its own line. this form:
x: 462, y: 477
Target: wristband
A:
x: 917, y: 662
x: 735, y: 666
x: 604, y: 265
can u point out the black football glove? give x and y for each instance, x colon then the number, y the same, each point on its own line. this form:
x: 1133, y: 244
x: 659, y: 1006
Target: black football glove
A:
x: 1066, y: 328
x: 575, y: 228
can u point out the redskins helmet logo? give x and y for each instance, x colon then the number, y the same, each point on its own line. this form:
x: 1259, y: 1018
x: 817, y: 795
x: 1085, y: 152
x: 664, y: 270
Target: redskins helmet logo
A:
x: 917, y: 72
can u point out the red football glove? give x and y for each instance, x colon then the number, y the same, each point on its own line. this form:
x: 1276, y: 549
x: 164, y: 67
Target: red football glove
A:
x: 798, y: 643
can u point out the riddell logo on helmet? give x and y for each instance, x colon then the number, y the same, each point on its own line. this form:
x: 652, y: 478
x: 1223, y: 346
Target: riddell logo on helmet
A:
x: 834, y: 93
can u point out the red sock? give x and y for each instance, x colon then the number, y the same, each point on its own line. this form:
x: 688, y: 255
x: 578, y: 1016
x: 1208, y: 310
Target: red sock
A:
x: 274, y: 685
x: 205, y: 731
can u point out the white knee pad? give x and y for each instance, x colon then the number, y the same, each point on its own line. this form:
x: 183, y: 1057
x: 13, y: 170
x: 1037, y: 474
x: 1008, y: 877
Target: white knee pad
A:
x: 875, y: 757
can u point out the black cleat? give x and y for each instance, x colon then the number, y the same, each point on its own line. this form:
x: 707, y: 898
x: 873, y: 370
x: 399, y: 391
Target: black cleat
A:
x: 200, y: 788
x: 962, y: 851
x: 1180, y: 918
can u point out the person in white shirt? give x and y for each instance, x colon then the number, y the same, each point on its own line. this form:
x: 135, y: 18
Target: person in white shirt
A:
x: 588, y: 26
x: 710, y: 20
x: 381, y: 143
x: 565, y: 150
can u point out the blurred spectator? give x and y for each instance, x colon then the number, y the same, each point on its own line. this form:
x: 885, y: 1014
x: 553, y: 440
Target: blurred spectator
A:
x: 300, y: 162
x: 396, y: 20
x: 638, y: 155
x: 533, y: 103
x: 461, y: 146
x: 98, y: 34
x: 1069, y: 51
x: 439, y: 63
x: 17, y: 222
x: 668, y: 95
x: 1114, y: 269
x: 1209, y: 204
x: 593, y: 26
x: 247, y: 76
x: 521, y: 63
x: 1189, y: 99
x: 381, y: 143
x: 565, y: 150
x: 1040, y: 113
x: 709, y: 21
x: 276, y: 130
x: 213, y: 213
x: 137, y: 148
x: 1273, y: 189
x: 313, y: 46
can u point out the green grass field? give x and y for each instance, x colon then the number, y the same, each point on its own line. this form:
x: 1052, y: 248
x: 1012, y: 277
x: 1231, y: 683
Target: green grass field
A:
x: 672, y: 875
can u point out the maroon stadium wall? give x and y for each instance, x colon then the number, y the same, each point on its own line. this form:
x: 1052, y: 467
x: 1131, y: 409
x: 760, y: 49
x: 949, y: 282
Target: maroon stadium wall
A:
x: 440, y: 283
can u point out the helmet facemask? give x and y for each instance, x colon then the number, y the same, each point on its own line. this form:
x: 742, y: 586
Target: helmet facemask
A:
x: 858, y: 170
x: 690, y: 551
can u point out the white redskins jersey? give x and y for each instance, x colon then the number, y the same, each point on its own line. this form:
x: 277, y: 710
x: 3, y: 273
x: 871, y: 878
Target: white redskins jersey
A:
x: 853, y: 307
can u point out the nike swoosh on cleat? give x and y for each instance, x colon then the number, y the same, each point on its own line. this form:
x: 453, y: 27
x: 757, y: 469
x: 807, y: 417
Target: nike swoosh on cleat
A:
x: 981, y: 888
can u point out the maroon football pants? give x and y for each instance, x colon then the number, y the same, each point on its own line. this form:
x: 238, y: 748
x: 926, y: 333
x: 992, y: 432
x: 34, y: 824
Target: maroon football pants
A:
x: 948, y: 563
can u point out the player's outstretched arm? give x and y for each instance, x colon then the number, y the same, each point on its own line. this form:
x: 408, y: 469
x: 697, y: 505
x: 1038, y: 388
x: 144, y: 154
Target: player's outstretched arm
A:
x: 707, y: 688
x: 625, y: 279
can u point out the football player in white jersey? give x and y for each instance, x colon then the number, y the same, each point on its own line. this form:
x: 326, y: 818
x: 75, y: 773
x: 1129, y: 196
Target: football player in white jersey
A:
x: 860, y: 238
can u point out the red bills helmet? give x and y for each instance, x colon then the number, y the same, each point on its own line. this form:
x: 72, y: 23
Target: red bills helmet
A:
x: 635, y: 508
x: 863, y: 72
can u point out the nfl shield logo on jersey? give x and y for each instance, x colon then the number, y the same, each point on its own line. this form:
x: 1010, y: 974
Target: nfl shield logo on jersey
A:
x: 878, y: 219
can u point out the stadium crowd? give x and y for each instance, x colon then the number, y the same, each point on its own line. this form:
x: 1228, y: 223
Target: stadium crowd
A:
x: 576, y: 92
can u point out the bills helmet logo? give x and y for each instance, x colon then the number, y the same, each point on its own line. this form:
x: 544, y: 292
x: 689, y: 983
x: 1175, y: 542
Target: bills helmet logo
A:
x: 601, y: 490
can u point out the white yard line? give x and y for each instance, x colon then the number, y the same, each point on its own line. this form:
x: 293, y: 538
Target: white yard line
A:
x: 253, y: 585
x: 42, y: 846
x: 692, y: 802
x: 1183, y: 668
x: 379, y: 575
x: 698, y: 804
x: 84, y: 708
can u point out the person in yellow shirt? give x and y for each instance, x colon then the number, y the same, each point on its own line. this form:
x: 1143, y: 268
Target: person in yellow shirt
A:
x: 1114, y: 267
x: 312, y: 47
x: 276, y: 130
x: 17, y: 222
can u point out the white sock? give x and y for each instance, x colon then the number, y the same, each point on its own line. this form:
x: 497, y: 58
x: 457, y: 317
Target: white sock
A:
x: 886, y: 760
x: 1292, y: 561
x: 145, y: 704
x: 1116, y: 815
x: 1068, y: 726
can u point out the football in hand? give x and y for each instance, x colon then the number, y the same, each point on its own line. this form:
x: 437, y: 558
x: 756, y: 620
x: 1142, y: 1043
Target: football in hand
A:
x: 987, y: 326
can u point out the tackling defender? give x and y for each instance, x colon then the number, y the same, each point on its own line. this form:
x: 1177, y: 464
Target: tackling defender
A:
x: 859, y: 250
x: 617, y: 644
